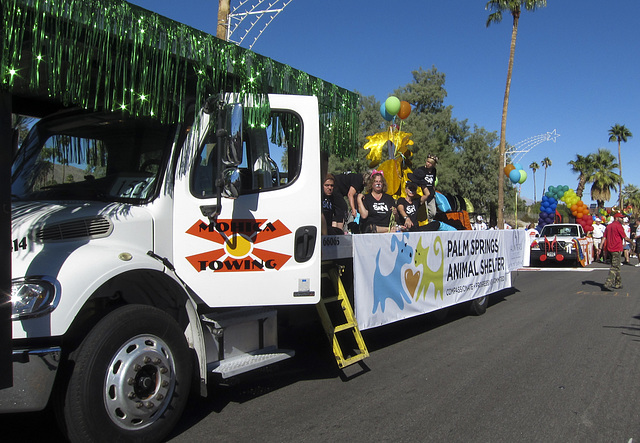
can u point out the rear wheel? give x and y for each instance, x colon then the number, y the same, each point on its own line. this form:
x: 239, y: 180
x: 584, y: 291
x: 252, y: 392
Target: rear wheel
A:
x: 131, y: 378
x: 478, y: 306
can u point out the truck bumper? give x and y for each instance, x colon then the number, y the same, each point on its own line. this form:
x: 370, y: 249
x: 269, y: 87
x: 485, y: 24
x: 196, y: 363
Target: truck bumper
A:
x: 34, y: 371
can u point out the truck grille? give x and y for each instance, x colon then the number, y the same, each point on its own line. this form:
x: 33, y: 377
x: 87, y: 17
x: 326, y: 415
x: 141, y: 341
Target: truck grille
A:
x: 81, y: 228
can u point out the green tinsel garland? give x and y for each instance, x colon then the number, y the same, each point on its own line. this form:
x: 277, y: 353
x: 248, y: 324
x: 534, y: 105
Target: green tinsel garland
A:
x: 111, y: 55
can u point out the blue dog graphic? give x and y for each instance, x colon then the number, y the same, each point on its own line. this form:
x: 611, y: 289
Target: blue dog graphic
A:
x: 390, y: 286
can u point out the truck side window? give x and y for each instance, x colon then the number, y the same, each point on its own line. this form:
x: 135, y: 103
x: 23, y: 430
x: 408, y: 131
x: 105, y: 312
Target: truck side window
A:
x: 271, y: 157
x: 272, y: 154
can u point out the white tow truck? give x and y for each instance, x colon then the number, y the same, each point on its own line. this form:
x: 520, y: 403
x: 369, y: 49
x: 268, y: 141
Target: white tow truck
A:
x: 149, y: 252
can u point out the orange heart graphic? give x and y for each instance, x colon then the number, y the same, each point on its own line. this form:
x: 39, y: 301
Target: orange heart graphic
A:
x: 411, y: 279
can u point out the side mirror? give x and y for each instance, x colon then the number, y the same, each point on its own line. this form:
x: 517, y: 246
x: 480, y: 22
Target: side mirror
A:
x: 232, y: 153
x: 232, y: 183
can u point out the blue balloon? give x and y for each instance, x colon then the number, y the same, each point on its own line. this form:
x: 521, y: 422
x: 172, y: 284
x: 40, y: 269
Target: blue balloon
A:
x: 518, y: 166
x: 383, y: 112
x: 514, y: 176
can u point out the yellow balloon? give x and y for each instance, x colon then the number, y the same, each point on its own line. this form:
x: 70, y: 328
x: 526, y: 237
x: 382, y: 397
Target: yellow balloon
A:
x: 392, y: 171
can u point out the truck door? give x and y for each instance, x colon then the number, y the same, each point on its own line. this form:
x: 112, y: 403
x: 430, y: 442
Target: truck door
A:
x: 263, y: 248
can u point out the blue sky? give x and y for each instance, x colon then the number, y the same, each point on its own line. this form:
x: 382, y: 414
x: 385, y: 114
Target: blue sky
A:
x: 576, y: 67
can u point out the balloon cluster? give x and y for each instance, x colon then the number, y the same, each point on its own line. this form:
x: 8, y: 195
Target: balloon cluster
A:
x: 562, y: 193
x: 578, y: 209
x: 547, y: 210
x: 393, y: 106
x: 515, y: 173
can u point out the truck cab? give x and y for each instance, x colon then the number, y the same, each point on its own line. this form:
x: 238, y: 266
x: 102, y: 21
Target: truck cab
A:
x: 146, y: 252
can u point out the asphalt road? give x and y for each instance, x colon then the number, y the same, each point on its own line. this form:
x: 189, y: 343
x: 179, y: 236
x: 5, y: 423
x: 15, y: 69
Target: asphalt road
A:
x: 555, y: 359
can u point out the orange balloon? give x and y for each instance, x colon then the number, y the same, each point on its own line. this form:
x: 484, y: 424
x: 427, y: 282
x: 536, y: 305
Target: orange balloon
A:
x: 508, y: 169
x: 574, y: 208
x: 405, y: 110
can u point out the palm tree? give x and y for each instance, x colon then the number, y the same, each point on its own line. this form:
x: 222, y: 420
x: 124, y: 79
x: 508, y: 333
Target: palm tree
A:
x: 582, y: 165
x: 631, y: 196
x: 534, y: 167
x: 223, y: 18
x: 619, y: 133
x: 603, y: 178
x: 546, y: 162
x: 497, y: 7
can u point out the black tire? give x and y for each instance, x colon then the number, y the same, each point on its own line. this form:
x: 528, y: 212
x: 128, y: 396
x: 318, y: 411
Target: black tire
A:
x: 130, y: 380
x: 478, y: 306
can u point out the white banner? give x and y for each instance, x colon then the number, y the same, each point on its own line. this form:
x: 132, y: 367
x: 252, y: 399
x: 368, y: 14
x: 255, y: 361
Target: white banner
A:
x: 401, y: 275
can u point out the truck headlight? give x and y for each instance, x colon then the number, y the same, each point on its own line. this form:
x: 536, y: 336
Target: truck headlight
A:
x: 33, y: 297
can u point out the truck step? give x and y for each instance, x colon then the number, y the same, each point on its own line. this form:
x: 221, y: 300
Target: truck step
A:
x: 250, y: 361
x: 242, y: 315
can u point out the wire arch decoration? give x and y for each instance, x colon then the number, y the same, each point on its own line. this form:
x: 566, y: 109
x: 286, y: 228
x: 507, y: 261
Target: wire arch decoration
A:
x: 247, y: 17
x: 517, y: 152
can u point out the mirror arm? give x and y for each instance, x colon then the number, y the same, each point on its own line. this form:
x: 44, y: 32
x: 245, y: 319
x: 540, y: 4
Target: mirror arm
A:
x: 221, y: 133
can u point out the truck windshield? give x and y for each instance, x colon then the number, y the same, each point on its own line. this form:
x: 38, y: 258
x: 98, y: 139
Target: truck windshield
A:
x: 566, y: 231
x: 76, y: 156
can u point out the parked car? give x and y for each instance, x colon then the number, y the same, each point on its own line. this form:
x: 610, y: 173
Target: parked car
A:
x: 562, y: 242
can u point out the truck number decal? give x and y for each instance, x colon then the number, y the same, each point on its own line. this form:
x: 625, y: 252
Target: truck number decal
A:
x: 19, y: 244
x: 330, y: 241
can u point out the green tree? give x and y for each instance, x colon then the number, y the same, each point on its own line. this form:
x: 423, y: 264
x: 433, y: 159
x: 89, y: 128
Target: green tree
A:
x: 534, y: 167
x: 431, y: 122
x: 475, y: 169
x: 434, y: 129
x: 619, y: 133
x: 631, y: 196
x: 371, y: 122
x: 467, y: 158
x: 546, y: 162
x: 603, y: 179
x: 583, y: 166
x: 514, y: 7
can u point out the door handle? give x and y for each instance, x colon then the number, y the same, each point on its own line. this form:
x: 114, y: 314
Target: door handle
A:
x: 305, y: 243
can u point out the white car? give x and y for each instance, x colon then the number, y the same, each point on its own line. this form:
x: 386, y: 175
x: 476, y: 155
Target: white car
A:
x: 560, y: 242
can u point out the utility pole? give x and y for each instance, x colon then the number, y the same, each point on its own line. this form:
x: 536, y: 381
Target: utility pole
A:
x: 223, y: 19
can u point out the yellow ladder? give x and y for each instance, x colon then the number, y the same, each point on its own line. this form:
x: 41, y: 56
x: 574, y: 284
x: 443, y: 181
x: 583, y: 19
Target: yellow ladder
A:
x: 341, y: 318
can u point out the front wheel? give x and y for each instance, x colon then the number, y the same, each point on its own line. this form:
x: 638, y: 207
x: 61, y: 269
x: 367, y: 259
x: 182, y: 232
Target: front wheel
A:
x: 131, y: 378
x: 478, y: 306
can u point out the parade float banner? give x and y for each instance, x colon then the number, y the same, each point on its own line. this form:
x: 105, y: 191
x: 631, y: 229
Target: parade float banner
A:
x: 584, y: 249
x: 401, y: 275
